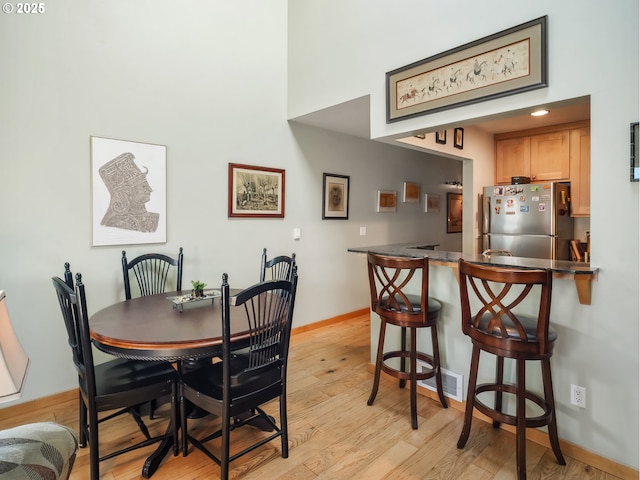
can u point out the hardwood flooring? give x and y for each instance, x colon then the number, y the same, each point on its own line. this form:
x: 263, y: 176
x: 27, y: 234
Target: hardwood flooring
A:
x: 333, y: 434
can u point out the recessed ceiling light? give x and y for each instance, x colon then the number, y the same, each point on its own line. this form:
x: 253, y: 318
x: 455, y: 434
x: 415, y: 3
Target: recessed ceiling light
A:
x: 539, y: 113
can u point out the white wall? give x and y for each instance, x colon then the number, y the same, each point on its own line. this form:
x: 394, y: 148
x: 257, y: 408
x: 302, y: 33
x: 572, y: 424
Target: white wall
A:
x: 340, y: 50
x: 209, y: 81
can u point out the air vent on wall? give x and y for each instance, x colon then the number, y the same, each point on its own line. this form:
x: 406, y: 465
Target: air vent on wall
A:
x: 451, y: 382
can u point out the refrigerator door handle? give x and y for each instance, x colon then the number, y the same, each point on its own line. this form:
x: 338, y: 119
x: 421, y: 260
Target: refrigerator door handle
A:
x: 486, y: 214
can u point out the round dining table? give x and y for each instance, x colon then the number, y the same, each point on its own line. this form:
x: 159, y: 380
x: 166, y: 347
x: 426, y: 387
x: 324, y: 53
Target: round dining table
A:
x: 170, y: 327
x: 165, y: 326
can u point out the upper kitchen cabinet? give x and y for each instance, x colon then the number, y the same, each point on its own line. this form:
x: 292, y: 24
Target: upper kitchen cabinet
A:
x: 553, y: 153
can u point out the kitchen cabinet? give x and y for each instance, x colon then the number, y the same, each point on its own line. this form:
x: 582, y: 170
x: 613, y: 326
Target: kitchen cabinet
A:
x: 580, y: 172
x: 553, y: 153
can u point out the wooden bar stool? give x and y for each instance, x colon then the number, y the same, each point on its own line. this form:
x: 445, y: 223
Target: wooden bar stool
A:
x: 388, y: 281
x: 495, y: 327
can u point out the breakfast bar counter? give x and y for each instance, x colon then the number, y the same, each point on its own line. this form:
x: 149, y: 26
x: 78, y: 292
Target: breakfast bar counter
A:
x: 581, y: 273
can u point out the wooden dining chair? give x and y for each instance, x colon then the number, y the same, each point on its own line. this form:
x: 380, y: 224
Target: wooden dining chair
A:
x: 497, y: 325
x: 242, y: 383
x: 394, y: 300
x: 276, y: 268
x: 151, y: 271
x: 117, y: 386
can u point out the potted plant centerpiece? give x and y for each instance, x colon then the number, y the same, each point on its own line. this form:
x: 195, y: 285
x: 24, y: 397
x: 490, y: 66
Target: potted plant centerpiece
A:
x: 198, y: 288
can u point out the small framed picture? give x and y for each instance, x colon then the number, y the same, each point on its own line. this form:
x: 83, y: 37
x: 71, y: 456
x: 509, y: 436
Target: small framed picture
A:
x: 431, y: 203
x: 255, y: 191
x: 387, y: 201
x: 411, y: 192
x: 335, y: 197
x: 458, y: 138
x: 454, y: 212
x: 441, y: 137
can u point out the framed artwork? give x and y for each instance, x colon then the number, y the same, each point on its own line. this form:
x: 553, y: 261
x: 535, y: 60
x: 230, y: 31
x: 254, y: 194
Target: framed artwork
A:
x: 441, y: 137
x: 128, y: 192
x: 505, y: 63
x: 458, y: 138
x: 335, y: 197
x: 431, y: 203
x: 635, y: 159
x: 255, y: 191
x: 387, y: 201
x: 454, y: 212
x: 411, y: 192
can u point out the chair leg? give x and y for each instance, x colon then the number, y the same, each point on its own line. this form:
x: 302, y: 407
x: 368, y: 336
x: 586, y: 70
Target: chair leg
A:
x: 471, y: 394
x: 499, y: 381
x: 403, y: 349
x: 94, y: 448
x: 284, y: 429
x: 521, y: 421
x: 413, y: 380
x: 82, y: 414
x: 376, y: 376
x: 174, y: 418
x: 436, y: 362
x: 549, y: 400
x: 224, y: 452
x: 183, y: 422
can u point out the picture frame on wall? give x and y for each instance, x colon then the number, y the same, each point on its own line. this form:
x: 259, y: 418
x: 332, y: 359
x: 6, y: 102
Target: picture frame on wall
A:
x: 335, y: 197
x: 128, y: 192
x: 256, y: 191
x: 387, y: 201
x: 505, y: 63
x: 454, y: 212
x: 458, y: 138
x: 431, y: 203
x: 441, y: 137
x: 411, y: 192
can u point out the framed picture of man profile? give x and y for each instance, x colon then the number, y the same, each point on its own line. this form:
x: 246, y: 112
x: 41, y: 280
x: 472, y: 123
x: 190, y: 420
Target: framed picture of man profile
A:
x: 335, y: 197
x: 128, y: 192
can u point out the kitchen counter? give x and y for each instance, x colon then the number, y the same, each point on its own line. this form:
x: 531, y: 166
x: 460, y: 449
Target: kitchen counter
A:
x: 581, y: 273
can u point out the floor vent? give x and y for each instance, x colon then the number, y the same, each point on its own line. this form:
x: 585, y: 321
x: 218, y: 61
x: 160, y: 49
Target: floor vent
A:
x: 451, y: 382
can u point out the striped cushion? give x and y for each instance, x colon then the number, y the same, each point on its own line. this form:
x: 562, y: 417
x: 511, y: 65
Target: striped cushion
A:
x: 37, y: 451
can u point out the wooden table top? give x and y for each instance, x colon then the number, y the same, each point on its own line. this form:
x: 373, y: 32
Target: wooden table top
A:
x: 152, y: 328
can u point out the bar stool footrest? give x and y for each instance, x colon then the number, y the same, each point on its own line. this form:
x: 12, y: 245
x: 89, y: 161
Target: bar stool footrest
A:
x: 531, y: 422
x: 397, y: 373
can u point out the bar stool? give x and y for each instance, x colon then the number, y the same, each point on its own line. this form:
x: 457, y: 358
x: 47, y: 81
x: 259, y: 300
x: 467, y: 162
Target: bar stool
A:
x: 497, y: 329
x: 389, y: 278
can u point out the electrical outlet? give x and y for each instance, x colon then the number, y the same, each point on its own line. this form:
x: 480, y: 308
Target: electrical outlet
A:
x: 578, y: 396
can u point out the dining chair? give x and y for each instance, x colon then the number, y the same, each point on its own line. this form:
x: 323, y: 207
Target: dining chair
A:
x: 497, y: 325
x: 278, y: 268
x: 392, y: 283
x: 242, y: 383
x: 119, y: 384
x: 151, y: 271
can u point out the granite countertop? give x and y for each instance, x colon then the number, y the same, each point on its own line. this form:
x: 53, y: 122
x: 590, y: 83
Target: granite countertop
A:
x: 443, y: 257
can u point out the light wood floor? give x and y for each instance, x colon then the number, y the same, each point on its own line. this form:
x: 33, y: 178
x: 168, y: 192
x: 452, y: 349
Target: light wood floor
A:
x: 333, y: 433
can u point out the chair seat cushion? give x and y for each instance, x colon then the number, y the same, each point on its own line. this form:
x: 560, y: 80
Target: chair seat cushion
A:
x: 529, y: 324
x: 121, y: 374
x: 37, y: 451
x: 208, y: 380
x: 433, y: 305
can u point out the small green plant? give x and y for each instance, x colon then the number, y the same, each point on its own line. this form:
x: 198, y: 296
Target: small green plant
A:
x: 198, y: 287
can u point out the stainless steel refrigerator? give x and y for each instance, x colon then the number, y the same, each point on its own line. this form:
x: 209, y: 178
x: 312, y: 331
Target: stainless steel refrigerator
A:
x: 529, y: 220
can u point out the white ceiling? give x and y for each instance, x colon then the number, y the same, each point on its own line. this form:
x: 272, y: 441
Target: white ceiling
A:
x: 353, y: 117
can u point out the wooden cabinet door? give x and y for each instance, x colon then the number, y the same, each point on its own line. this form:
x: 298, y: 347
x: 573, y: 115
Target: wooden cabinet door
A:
x: 580, y: 172
x: 550, y: 156
x: 512, y: 159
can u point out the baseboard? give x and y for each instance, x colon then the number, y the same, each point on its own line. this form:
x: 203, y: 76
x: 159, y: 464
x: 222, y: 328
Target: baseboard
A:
x: 331, y: 321
x: 541, y: 438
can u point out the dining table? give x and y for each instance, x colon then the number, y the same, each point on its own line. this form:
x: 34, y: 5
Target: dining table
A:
x: 173, y: 327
